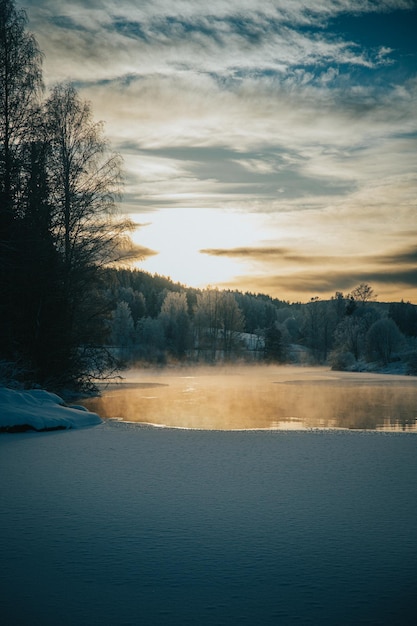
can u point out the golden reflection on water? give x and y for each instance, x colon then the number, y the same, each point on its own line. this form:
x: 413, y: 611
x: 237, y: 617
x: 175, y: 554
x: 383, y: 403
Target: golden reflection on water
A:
x: 247, y: 398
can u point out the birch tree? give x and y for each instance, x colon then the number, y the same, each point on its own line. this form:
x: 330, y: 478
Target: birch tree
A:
x: 84, y: 182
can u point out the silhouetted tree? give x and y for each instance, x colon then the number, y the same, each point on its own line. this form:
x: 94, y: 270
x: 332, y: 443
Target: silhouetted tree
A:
x: 42, y: 304
x: 84, y: 181
x: 20, y: 88
x: 364, y: 293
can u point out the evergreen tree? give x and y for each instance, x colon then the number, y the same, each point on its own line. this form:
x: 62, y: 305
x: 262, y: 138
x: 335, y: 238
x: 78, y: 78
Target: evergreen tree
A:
x: 274, y: 349
x: 20, y: 88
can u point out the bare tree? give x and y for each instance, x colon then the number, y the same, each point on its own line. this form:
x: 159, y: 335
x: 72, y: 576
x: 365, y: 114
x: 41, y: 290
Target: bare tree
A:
x: 364, y: 293
x: 84, y: 182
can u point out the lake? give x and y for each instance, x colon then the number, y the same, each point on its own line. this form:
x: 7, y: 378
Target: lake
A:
x: 273, y: 398
x: 278, y: 496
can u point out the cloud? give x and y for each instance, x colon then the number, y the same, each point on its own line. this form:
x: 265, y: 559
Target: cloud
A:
x: 407, y: 256
x: 304, y: 285
x: 285, y: 110
x: 398, y: 258
x: 96, y: 39
x: 276, y: 144
x: 322, y: 275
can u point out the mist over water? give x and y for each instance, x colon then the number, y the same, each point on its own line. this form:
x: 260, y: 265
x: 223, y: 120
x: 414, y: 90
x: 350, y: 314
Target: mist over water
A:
x: 261, y: 397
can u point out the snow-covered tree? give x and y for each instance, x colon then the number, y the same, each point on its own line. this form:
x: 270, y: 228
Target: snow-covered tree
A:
x: 218, y: 321
x: 122, y: 330
x: 382, y: 339
x: 176, y: 323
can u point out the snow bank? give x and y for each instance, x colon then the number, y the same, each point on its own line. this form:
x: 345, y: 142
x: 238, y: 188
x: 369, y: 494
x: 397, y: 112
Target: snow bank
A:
x: 40, y: 410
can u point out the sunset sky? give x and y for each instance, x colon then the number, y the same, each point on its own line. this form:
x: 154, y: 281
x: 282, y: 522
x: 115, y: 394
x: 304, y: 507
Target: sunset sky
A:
x: 268, y: 146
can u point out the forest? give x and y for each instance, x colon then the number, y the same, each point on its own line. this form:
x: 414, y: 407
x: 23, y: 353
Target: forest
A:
x: 73, y: 310
x: 154, y: 320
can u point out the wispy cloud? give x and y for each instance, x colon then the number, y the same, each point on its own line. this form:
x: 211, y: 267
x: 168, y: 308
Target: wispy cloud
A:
x: 147, y: 37
x: 308, y: 284
x: 325, y: 274
x: 404, y: 258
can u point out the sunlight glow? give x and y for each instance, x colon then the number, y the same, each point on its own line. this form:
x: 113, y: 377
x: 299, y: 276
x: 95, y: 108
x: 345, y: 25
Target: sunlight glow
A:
x: 178, y: 235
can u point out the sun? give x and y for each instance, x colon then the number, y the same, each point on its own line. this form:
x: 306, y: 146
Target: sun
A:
x: 179, y: 235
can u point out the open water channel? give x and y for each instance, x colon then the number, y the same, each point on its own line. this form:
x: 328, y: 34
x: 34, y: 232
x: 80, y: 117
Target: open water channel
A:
x: 252, y: 398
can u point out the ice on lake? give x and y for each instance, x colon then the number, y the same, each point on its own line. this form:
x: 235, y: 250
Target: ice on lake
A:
x: 121, y: 525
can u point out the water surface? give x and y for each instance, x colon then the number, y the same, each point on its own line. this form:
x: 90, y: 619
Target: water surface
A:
x: 273, y: 398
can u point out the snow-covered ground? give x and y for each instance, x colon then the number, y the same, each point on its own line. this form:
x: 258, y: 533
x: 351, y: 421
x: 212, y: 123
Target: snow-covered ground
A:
x: 40, y: 410
x: 120, y: 525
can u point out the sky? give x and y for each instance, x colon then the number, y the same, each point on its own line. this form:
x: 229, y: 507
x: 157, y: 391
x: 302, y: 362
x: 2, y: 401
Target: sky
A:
x: 269, y: 145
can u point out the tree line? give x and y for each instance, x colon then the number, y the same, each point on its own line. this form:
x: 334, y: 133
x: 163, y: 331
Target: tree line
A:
x: 59, y: 184
x: 157, y: 321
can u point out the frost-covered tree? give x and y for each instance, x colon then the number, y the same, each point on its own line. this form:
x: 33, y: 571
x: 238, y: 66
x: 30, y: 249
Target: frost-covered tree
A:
x: 176, y: 323
x: 136, y: 302
x: 207, y: 321
x: 232, y: 323
x: 122, y: 330
x: 382, y: 339
x: 218, y: 321
x: 151, y: 340
x: 350, y: 334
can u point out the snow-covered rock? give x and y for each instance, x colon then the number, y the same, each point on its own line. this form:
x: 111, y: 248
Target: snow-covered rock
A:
x: 40, y: 410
